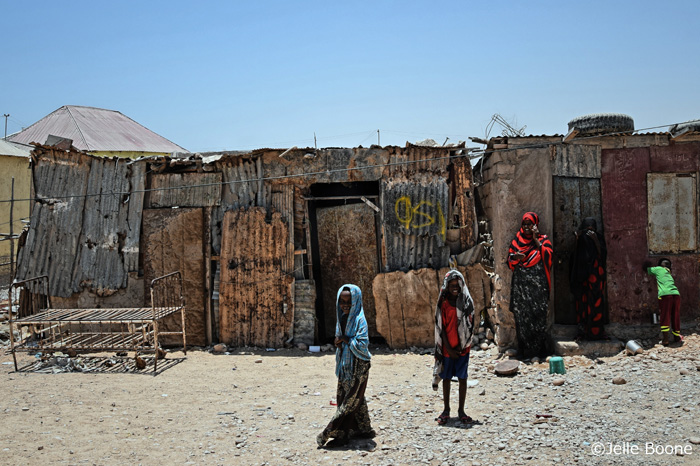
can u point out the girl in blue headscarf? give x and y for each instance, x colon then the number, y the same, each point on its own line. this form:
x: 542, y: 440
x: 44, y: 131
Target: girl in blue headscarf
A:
x: 352, y: 362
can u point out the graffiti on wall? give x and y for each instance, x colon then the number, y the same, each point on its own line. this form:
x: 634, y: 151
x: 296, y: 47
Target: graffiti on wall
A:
x: 424, y: 213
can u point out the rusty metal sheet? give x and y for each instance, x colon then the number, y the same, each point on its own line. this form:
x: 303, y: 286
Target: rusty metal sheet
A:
x: 405, y: 303
x: 184, y: 190
x: 465, y: 210
x: 256, y: 297
x: 683, y: 157
x: 111, y: 231
x: 408, y: 161
x: 414, y: 217
x: 625, y: 213
x: 574, y: 200
x: 672, y: 226
x: 52, y: 242
x: 405, y: 307
x: 282, y: 200
x: 85, y: 226
x: 172, y: 241
x: 577, y: 160
x: 348, y: 254
x: 242, y: 188
x: 623, y: 186
x: 417, y: 209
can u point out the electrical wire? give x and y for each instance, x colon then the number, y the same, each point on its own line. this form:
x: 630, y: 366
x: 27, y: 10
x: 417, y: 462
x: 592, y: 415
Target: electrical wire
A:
x: 470, y: 153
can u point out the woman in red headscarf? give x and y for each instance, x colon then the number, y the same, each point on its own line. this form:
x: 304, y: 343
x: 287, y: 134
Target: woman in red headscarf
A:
x: 530, y: 259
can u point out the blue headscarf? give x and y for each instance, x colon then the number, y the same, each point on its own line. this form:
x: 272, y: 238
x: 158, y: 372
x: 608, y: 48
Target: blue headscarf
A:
x: 356, y: 329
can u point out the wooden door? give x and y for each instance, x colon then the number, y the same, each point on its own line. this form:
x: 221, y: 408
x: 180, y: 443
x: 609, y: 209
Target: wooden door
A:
x: 347, y: 243
x: 574, y: 200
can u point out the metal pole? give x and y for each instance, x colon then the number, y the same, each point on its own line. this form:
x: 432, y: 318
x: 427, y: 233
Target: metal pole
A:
x: 12, y: 241
x: 378, y: 143
x: 6, y: 115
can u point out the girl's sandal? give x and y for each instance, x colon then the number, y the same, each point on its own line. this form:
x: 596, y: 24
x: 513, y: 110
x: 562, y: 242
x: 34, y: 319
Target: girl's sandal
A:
x: 442, y: 419
x: 466, y: 419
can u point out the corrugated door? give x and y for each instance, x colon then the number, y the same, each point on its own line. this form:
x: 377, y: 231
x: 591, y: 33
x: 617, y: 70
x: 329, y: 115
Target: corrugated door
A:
x: 256, y: 296
x: 574, y: 200
x: 172, y: 240
x: 347, y: 243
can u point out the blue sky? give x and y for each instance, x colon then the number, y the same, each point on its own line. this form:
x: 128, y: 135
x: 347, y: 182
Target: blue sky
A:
x: 244, y: 75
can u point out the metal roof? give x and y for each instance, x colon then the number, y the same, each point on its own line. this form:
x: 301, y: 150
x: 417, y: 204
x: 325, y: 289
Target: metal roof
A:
x: 14, y: 149
x: 96, y: 129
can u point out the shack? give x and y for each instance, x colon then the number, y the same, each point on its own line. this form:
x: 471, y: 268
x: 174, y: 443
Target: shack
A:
x: 641, y: 188
x: 263, y: 239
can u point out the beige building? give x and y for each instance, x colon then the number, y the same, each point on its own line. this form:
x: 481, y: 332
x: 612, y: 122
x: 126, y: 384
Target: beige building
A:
x: 14, y: 163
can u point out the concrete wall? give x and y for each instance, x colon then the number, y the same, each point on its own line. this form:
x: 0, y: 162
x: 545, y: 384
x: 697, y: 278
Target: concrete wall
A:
x: 518, y: 181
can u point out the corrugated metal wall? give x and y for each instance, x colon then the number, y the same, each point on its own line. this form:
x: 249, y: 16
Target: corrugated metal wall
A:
x: 256, y: 297
x: 415, y: 223
x: 184, y: 190
x: 243, y: 188
x: 78, y: 241
x: 577, y: 160
x: 282, y: 198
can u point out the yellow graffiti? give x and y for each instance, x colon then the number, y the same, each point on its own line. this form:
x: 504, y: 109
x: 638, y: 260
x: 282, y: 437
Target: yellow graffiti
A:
x: 419, y: 216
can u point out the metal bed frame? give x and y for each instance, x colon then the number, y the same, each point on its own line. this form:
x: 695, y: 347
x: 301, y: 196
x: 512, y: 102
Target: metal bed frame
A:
x: 46, y: 329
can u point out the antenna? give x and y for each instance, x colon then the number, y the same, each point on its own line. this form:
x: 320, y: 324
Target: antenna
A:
x: 508, y: 129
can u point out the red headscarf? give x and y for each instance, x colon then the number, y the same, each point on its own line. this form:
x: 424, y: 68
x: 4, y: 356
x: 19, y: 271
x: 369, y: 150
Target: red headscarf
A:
x: 533, y: 254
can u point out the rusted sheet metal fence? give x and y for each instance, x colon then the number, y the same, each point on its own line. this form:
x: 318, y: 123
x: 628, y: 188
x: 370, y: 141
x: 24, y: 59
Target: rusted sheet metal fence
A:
x: 256, y: 304
x: 184, y: 190
x: 85, y: 223
x: 415, y: 223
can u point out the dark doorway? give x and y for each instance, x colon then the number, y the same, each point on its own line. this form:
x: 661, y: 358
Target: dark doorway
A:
x: 574, y: 200
x: 344, y: 244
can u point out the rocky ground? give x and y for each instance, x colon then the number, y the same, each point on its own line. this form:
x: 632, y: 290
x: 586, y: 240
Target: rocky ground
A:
x: 259, y: 407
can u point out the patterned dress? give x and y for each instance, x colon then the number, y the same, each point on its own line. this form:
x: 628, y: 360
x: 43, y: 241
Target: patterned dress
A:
x: 529, y: 294
x: 351, y: 418
x: 587, y: 281
x: 529, y: 301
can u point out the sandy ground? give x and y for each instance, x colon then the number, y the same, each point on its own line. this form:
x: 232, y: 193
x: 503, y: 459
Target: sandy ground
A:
x: 257, y: 407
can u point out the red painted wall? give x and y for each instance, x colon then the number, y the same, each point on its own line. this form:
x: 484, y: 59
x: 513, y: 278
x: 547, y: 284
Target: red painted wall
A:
x: 631, y: 293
